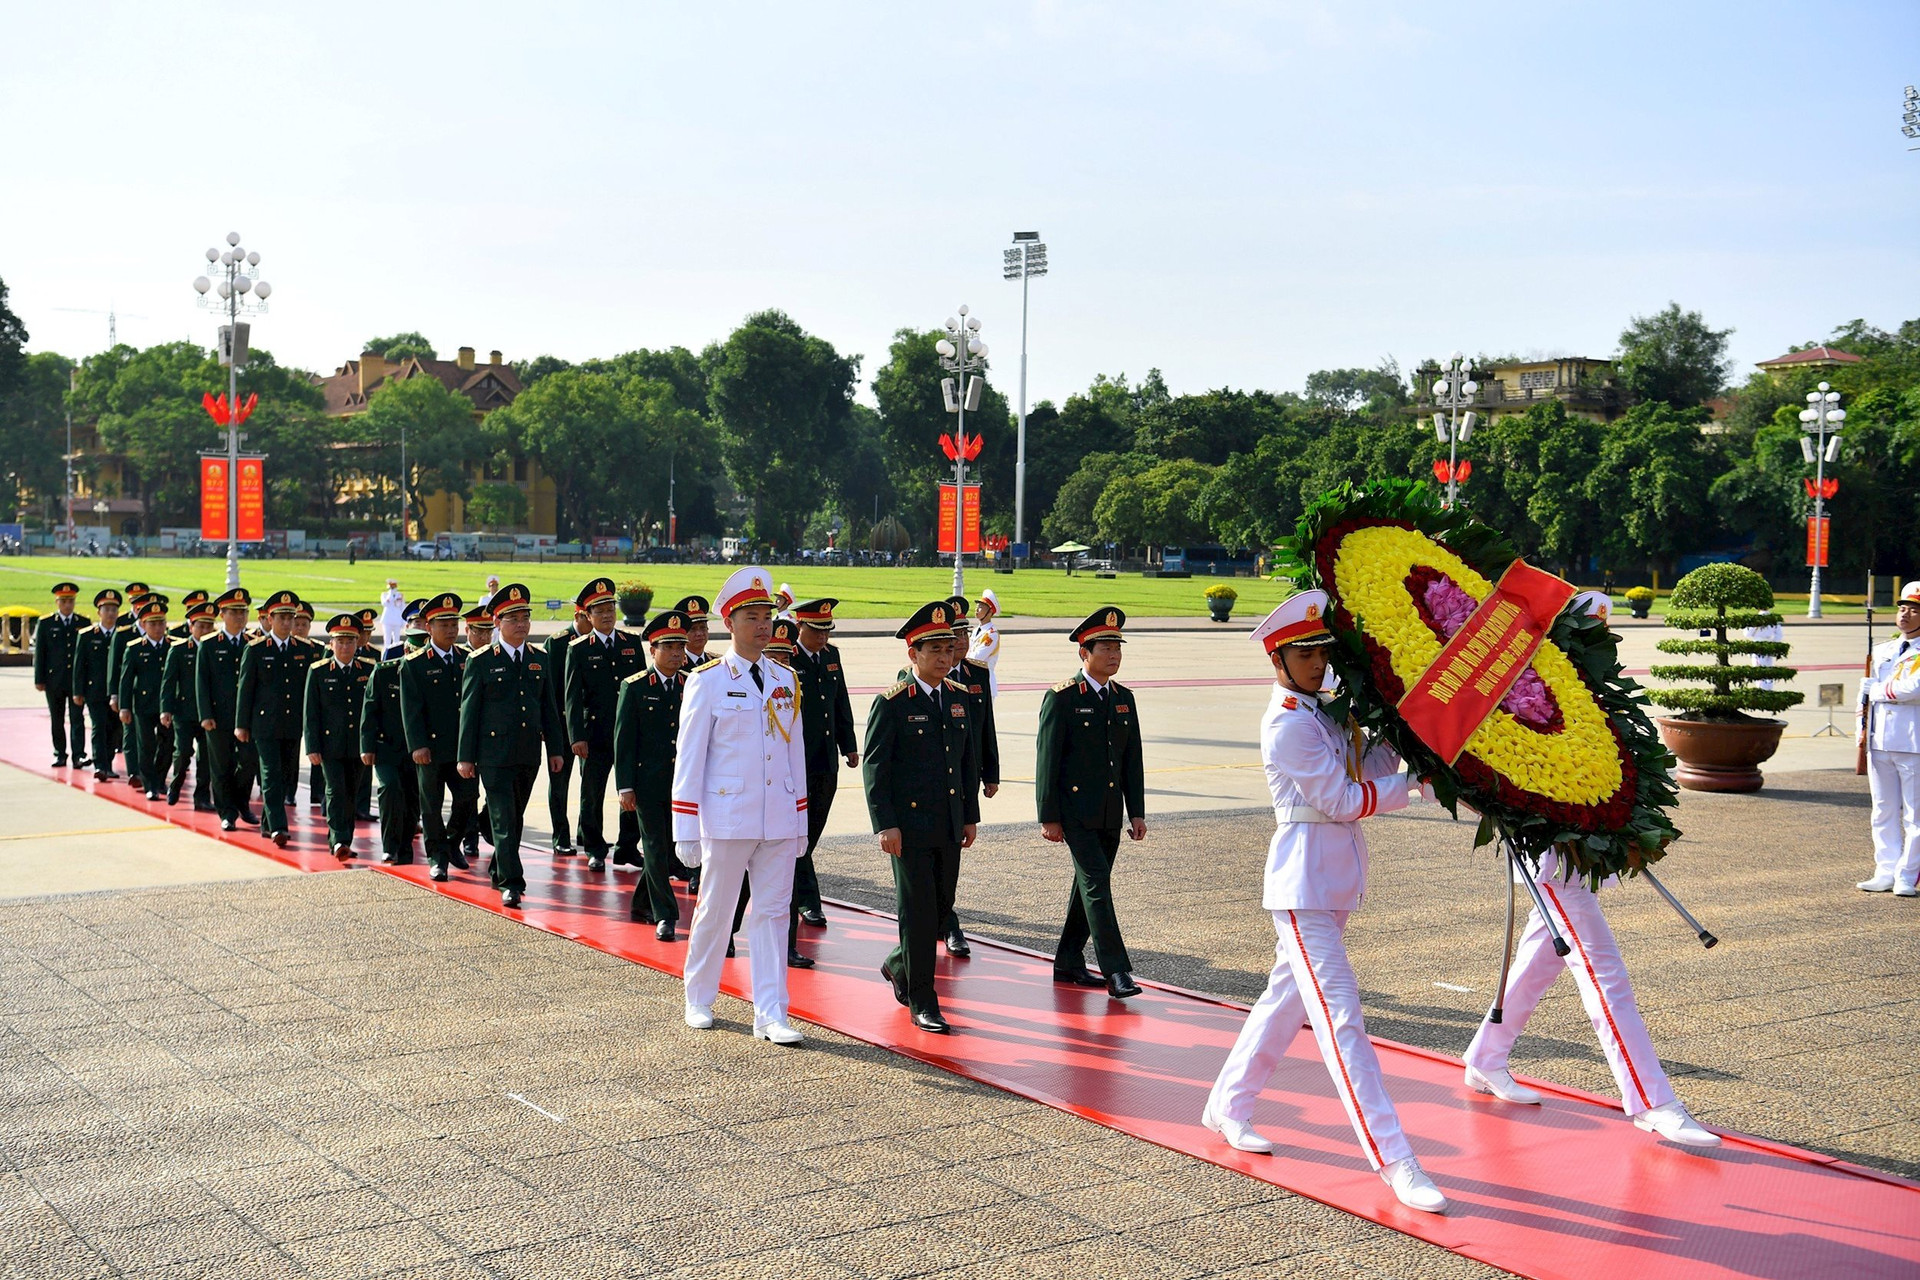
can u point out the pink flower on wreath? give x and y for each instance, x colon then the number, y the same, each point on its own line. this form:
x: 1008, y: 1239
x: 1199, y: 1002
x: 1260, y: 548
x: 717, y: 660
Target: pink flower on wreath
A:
x: 1528, y: 701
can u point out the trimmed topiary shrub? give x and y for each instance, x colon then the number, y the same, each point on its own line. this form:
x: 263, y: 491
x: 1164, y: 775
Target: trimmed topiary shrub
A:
x: 1722, y: 598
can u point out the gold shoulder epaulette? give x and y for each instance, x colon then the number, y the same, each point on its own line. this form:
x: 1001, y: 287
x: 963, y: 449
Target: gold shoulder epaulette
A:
x: 414, y: 653
x: 1066, y: 684
x: 705, y: 666
x: 579, y: 639
x: 315, y: 666
x: 257, y: 640
x: 954, y: 685
x: 366, y: 662
x: 898, y: 689
x: 180, y: 640
x: 638, y: 675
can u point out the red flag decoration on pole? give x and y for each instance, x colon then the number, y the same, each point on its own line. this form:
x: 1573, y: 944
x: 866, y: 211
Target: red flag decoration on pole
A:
x: 213, y: 498
x: 1827, y: 487
x: 1458, y: 474
x: 217, y: 409
x: 252, y: 501
x: 1817, y: 541
x: 969, y: 520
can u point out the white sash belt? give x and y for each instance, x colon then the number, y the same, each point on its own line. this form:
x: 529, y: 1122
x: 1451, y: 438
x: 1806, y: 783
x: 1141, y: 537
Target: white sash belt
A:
x: 1299, y: 813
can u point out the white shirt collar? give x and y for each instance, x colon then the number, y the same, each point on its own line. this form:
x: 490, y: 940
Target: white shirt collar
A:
x: 442, y: 654
x: 509, y: 650
x: 924, y: 686
x: 1088, y: 676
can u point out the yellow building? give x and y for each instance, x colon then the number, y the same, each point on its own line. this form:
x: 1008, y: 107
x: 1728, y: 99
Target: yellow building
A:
x: 488, y: 386
x: 1587, y: 387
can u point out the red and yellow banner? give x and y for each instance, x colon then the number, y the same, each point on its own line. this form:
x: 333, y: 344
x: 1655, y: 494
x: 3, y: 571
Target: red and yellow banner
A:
x: 1817, y: 541
x: 969, y: 520
x: 252, y: 501
x: 1478, y: 666
x: 213, y: 498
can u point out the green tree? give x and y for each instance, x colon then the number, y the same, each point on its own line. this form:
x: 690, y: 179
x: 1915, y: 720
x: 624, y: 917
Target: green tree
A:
x: 401, y: 346
x: 782, y: 399
x: 496, y: 505
x: 1650, y: 485
x: 1350, y: 390
x: 1207, y: 428
x: 1155, y: 507
x: 913, y: 417
x: 1072, y: 518
x: 443, y: 442
x: 1673, y: 357
x: 33, y: 435
x: 13, y: 340
x: 531, y: 371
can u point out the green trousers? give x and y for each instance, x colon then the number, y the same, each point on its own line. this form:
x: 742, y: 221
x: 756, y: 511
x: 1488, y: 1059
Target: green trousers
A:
x: 924, y: 879
x: 653, y: 892
x: 342, y: 777
x: 279, y: 775
x: 508, y: 789
x: 397, y: 786
x: 1090, y: 908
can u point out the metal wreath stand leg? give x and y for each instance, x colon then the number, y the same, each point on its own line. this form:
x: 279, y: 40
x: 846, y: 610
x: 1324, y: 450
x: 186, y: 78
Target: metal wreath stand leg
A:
x: 1516, y: 867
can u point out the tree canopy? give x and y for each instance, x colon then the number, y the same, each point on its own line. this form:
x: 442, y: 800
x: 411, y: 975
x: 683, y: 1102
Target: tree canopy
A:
x: 1673, y: 356
x: 401, y: 345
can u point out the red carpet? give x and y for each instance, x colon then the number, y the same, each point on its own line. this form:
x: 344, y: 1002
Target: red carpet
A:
x: 1569, y: 1189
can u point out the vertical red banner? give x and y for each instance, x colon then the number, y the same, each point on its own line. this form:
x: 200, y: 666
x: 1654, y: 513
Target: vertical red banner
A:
x: 969, y: 520
x: 213, y: 499
x: 252, y: 501
x: 1817, y: 541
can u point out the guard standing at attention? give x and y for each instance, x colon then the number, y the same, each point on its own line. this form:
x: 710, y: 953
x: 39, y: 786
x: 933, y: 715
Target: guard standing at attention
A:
x: 560, y: 783
x: 977, y: 680
x: 180, y: 710
x: 1890, y: 721
x: 53, y: 640
x: 923, y: 794
x: 506, y: 714
x: 143, y: 669
x: 646, y: 730
x: 92, y: 651
x: 216, y: 685
x: 267, y: 710
x: 596, y: 664
x: 430, y: 679
x: 1087, y: 776
x: 826, y: 713
x: 383, y: 749
x: 984, y: 648
x: 336, y: 692
x: 1324, y: 781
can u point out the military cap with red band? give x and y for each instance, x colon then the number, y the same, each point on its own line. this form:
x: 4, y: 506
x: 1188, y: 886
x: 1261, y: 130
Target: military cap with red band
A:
x: 108, y: 596
x: 204, y: 609
x: 817, y: 614
x: 667, y: 626
x: 931, y: 621
x: 1300, y: 619
x: 344, y: 624
x: 784, y: 640
x: 234, y: 598
x: 745, y: 588
x: 153, y: 607
x: 599, y: 591
x: 512, y: 598
x: 695, y: 607
x: 67, y: 589
x: 1104, y: 623
x: 444, y: 605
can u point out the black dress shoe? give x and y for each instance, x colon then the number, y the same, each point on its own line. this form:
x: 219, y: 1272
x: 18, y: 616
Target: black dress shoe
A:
x: 957, y: 945
x: 639, y: 915
x: 693, y: 884
x: 816, y: 917
x: 344, y: 852
x: 279, y: 839
x: 246, y: 816
x: 596, y: 863
x: 729, y: 948
x: 154, y: 796
x: 509, y: 898
x: 931, y: 1022
x: 797, y: 961
x: 625, y: 858
x: 562, y: 849
x: 107, y: 775
x: 201, y: 806
x: 898, y: 981
x: 664, y: 931
x: 59, y: 762
x: 81, y: 762
x: 458, y: 858
x: 1080, y: 977
x: 438, y: 871
x: 228, y: 824
x: 1120, y: 985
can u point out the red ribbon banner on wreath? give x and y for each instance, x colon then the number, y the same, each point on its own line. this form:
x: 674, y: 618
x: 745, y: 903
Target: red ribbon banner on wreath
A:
x: 1479, y: 665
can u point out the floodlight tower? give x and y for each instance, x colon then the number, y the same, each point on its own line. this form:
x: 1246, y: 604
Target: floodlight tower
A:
x: 1026, y: 260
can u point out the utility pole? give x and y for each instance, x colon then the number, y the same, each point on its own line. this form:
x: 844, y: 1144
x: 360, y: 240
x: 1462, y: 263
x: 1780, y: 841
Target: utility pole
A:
x: 1027, y: 259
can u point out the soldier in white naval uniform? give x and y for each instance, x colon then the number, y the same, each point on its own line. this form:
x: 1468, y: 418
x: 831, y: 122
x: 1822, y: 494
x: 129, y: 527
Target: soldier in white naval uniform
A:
x: 1322, y: 784
x: 1890, y: 716
x: 984, y: 647
x: 740, y: 805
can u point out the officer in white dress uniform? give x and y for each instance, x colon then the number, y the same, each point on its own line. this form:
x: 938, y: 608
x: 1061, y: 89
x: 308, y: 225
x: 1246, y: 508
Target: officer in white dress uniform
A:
x: 985, y: 644
x: 1890, y: 708
x: 1607, y: 993
x: 740, y: 805
x: 1322, y: 784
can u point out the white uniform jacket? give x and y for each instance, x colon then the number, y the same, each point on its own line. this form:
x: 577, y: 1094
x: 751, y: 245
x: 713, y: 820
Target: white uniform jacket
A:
x: 1318, y: 858
x: 1893, y: 696
x: 740, y: 771
x: 984, y: 648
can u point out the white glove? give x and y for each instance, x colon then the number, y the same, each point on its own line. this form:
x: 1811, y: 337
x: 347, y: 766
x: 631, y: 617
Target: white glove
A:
x: 1419, y: 791
x: 688, y: 851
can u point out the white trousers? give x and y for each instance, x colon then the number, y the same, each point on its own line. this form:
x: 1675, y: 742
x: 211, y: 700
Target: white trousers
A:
x: 722, y: 863
x: 1894, y: 779
x: 1313, y: 982
x: 1605, y: 990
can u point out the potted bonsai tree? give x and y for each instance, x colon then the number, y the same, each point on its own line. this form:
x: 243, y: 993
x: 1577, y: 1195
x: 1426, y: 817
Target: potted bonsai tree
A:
x: 1220, y: 598
x: 1720, y: 745
x: 635, y: 597
x: 1640, y: 600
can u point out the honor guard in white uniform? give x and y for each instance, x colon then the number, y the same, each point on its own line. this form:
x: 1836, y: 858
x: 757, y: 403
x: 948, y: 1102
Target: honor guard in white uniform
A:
x: 1323, y: 782
x: 740, y: 805
x: 1890, y: 719
x: 984, y: 647
x: 1607, y: 993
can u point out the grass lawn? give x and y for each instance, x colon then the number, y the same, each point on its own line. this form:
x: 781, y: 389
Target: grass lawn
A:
x: 333, y: 585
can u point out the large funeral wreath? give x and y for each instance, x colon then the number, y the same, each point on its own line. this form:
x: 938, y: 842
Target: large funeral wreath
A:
x: 1569, y: 759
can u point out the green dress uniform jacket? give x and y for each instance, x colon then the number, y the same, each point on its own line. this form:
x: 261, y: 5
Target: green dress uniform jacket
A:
x: 396, y: 783
x: 216, y: 684
x: 53, y: 641
x: 979, y: 685
x: 826, y: 717
x: 179, y: 699
x: 594, y: 670
x: 143, y: 666
x: 335, y: 695
x: 1088, y: 777
x: 268, y: 705
x: 508, y: 729
x: 558, y: 784
x: 92, y: 650
x: 646, y: 731
x: 922, y: 778
x: 430, y: 720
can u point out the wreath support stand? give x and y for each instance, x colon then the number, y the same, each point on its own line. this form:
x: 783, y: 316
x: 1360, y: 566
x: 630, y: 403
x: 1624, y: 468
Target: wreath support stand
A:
x: 1706, y: 939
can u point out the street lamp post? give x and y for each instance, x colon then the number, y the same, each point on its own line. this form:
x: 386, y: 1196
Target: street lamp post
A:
x: 236, y: 275
x: 1027, y: 259
x: 961, y: 353
x: 1823, y: 408
x: 1454, y: 391
x: 73, y: 382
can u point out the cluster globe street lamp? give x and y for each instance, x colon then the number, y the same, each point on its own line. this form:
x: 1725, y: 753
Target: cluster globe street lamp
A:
x: 961, y: 354
x: 1453, y: 392
x: 236, y: 274
x: 1822, y: 416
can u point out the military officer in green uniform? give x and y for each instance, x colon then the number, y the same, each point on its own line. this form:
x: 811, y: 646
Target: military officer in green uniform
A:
x: 978, y: 681
x: 53, y: 640
x: 479, y: 620
x: 92, y: 652
x: 143, y: 668
x: 646, y: 729
x: 560, y: 783
x: 1087, y: 771
x: 180, y: 709
x: 336, y: 692
x: 303, y: 615
x: 826, y: 716
x: 923, y: 794
x: 268, y: 708
x: 430, y: 717
x: 184, y: 627
x: 506, y: 714
x: 698, y: 610
x: 596, y: 664
x: 125, y: 632
x: 216, y: 685
x: 383, y: 748
x: 365, y: 621
x: 479, y: 623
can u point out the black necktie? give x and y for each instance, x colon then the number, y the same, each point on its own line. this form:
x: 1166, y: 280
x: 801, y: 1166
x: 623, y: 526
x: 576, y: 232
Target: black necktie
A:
x: 758, y: 682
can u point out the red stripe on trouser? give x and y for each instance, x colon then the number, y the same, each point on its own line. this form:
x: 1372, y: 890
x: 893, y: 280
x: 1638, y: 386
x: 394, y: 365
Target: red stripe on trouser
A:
x: 1333, y: 1042
x: 1599, y: 994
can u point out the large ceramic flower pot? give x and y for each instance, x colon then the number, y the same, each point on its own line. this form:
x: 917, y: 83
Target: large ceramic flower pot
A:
x: 1221, y: 610
x: 1719, y: 755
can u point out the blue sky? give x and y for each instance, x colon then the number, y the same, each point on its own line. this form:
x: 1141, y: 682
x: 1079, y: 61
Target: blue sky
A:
x: 1236, y: 193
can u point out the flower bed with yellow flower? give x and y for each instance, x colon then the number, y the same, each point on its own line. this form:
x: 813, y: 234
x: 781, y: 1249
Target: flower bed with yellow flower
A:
x: 1568, y: 759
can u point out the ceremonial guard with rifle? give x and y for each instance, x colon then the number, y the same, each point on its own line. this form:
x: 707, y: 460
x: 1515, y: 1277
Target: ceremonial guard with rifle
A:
x: 596, y: 663
x: 53, y: 641
x: 646, y: 732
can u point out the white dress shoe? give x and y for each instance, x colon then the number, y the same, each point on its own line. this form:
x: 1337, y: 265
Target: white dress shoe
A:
x: 1879, y: 884
x: 779, y: 1033
x: 1672, y: 1122
x: 699, y: 1017
x: 1501, y: 1085
x: 1413, y: 1187
x: 1906, y: 891
x: 1240, y: 1135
